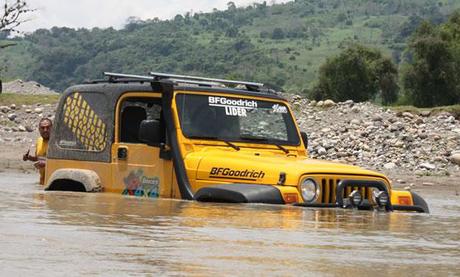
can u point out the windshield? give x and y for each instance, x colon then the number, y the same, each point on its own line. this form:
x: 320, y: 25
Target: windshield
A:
x: 236, y: 119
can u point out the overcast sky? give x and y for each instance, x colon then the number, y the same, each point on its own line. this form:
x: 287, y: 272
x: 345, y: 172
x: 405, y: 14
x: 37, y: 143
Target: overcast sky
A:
x: 106, y: 13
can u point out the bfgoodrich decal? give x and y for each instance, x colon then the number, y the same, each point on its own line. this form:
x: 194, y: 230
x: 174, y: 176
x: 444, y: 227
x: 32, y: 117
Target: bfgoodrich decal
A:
x: 233, y: 107
x: 228, y: 173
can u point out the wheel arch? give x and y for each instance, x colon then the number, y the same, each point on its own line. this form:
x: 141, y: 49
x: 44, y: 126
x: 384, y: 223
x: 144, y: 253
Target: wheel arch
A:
x: 72, y: 179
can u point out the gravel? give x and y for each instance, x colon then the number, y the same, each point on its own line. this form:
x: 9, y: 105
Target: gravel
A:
x: 377, y: 138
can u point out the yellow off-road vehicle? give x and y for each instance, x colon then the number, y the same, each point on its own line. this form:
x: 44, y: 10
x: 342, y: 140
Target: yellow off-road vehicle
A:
x: 186, y: 137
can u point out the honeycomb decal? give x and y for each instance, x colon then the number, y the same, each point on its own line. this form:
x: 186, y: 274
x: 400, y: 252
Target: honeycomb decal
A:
x: 84, y: 123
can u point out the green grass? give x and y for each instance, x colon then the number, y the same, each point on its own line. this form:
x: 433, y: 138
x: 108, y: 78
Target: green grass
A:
x: 20, y: 99
x: 454, y: 109
x: 310, y: 56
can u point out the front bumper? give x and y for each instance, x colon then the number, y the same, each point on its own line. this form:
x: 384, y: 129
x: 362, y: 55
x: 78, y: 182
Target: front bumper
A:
x: 419, y: 205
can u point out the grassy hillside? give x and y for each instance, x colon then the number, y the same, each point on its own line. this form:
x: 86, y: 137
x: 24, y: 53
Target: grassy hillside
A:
x: 282, y: 45
x: 7, y: 99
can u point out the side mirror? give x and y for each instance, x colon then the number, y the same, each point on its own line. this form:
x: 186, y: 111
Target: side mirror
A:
x: 149, y: 132
x: 304, y: 138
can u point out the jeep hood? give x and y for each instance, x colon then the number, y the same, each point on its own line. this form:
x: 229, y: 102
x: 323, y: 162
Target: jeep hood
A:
x: 264, y: 168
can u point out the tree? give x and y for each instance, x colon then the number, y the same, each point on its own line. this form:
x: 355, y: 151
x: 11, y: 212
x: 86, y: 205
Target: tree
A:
x: 386, y: 75
x: 358, y: 73
x: 231, y: 6
x: 10, y: 19
x: 432, y: 77
x: 13, y: 15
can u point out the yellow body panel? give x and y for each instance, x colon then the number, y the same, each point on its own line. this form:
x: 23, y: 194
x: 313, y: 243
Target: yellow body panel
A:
x: 141, y: 170
x: 269, y: 163
x: 103, y: 170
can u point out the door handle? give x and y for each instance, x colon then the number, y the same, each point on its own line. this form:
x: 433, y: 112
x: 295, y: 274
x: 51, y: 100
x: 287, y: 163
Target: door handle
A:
x: 122, y: 153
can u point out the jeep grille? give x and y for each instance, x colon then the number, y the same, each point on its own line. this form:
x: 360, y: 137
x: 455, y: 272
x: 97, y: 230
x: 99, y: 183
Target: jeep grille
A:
x: 328, y: 187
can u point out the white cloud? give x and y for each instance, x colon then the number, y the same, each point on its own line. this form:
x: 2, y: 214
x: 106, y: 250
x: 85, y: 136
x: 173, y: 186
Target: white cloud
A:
x: 106, y: 13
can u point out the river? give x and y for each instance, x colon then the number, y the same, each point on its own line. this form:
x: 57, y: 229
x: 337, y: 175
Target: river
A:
x: 66, y: 233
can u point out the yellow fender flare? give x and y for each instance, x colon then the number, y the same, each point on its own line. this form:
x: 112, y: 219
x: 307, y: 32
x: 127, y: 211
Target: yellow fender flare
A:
x: 87, y: 178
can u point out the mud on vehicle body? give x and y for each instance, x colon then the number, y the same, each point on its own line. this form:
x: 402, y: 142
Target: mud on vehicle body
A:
x: 191, y: 138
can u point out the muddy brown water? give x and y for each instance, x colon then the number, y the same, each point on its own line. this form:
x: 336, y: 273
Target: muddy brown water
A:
x: 61, y: 233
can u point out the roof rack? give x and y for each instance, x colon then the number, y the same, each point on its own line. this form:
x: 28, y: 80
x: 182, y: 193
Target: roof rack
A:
x: 178, y: 79
x: 188, y: 78
x: 121, y: 76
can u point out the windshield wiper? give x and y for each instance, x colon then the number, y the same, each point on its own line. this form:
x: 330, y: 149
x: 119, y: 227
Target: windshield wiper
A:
x: 256, y: 138
x: 281, y: 148
x: 232, y: 145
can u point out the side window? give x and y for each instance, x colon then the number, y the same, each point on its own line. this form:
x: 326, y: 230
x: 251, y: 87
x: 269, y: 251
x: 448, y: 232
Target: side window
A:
x: 84, y: 122
x: 133, y: 112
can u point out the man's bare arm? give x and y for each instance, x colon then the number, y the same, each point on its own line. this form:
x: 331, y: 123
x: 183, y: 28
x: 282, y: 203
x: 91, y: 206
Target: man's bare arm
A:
x: 28, y: 157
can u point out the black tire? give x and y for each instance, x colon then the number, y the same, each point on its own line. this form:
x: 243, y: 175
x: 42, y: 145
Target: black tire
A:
x: 420, y: 202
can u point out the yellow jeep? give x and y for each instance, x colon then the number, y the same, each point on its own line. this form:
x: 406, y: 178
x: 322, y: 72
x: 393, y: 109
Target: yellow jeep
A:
x: 193, y: 138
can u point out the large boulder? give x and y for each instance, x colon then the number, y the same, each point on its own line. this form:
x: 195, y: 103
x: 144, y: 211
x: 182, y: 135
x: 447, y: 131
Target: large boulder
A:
x: 455, y: 158
x: 328, y: 103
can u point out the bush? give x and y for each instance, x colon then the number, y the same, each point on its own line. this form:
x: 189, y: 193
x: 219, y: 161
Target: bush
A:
x: 278, y: 33
x: 358, y: 73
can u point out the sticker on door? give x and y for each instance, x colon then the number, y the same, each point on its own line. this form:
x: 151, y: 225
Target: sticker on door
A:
x: 138, y: 184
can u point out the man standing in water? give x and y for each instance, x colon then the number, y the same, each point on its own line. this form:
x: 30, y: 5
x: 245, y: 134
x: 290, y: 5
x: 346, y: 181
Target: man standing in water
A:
x: 41, y: 147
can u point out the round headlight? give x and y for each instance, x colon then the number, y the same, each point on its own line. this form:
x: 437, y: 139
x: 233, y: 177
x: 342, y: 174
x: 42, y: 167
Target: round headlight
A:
x: 309, y: 190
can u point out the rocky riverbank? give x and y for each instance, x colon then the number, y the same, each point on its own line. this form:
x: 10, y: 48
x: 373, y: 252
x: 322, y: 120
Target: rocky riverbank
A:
x: 378, y: 138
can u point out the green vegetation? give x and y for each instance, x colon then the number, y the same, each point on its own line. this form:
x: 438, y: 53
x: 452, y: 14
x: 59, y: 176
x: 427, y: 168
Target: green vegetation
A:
x: 282, y: 45
x: 430, y: 70
x: 432, y: 75
x: 358, y: 73
x: 7, y: 99
x: 453, y: 109
x: 11, y: 16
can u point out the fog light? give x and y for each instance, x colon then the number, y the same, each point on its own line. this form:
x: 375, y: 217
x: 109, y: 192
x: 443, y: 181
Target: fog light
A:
x: 380, y: 197
x: 355, y: 198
